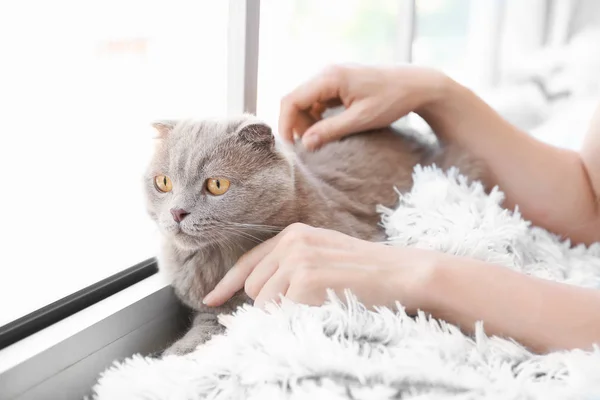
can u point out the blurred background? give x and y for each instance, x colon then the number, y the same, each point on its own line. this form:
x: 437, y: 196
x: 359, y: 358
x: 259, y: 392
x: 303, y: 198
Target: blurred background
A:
x: 81, y: 81
x: 536, y: 61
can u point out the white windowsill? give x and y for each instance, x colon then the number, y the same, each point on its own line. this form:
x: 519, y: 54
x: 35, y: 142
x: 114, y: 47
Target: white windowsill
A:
x: 64, y: 360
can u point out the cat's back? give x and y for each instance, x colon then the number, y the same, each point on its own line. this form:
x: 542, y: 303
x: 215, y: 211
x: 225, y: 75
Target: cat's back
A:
x: 361, y: 171
x: 367, y: 162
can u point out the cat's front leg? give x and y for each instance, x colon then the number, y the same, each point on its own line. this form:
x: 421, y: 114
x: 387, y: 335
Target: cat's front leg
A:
x: 204, y: 326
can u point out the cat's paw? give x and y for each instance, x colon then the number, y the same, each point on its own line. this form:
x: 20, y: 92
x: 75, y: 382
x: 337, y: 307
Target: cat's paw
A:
x: 180, y: 348
x: 193, y: 338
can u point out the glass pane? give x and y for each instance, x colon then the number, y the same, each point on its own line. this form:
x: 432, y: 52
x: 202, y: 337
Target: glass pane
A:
x: 300, y: 37
x: 442, y: 27
x: 80, y: 83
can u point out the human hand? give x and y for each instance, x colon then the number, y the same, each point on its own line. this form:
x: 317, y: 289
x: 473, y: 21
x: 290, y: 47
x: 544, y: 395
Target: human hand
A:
x: 302, y: 262
x: 373, y: 97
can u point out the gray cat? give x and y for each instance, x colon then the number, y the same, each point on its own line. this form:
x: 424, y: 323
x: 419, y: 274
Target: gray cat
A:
x: 217, y: 188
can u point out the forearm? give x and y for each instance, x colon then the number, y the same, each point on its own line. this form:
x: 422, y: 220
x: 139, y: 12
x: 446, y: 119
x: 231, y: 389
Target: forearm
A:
x: 551, y: 186
x: 540, y: 314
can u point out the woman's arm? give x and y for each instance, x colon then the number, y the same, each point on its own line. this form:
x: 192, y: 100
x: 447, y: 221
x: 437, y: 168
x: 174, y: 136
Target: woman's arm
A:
x: 554, y: 188
x: 302, y: 262
x: 540, y: 314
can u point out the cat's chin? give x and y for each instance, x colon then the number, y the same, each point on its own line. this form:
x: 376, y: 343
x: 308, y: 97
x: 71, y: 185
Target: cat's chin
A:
x: 188, y: 242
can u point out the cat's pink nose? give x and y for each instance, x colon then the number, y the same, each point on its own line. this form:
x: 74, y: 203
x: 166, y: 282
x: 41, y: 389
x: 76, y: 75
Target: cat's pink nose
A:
x: 179, y: 214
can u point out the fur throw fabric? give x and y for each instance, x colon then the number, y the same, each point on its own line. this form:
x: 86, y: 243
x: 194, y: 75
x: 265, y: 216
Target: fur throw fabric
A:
x: 343, y: 351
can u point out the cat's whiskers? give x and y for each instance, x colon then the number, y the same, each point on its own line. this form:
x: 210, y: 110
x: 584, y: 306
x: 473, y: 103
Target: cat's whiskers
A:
x: 226, y: 241
x: 243, y: 234
x: 257, y: 231
x: 220, y: 239
x: 246, y: 234
x: 223, y: 233
x: 255, y: 227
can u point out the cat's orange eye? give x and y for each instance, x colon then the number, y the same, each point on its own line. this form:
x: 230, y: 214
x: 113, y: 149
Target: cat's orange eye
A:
x: 163, y: 183
x: 217, y: 186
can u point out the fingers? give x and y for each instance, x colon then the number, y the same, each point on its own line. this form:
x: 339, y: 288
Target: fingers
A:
x: 319, y: 108
x: 334, y: 128
x: 303, y: 122
x: 316, y: 111
x: 234, y: 280
x: 308, y: 118
x: 310, y: 286
x: 255, y: 271
x: 263, y: 271
x: 321, y: 89
x: 272, y: 288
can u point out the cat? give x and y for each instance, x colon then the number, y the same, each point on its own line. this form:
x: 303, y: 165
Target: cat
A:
x: 216, y: 188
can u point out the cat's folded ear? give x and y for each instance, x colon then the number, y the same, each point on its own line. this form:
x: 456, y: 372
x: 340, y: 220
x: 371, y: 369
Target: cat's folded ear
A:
x: 256, y: 133
x: 164, y: 127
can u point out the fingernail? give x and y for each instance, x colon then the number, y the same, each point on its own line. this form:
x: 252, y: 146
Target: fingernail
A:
x: 311, y: 142
x: 207, y: 299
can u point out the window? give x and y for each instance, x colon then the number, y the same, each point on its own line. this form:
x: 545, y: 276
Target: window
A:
x: 300, y: 37
x: 531, y: 61
x: 441, y: 36
x: 81, y: 81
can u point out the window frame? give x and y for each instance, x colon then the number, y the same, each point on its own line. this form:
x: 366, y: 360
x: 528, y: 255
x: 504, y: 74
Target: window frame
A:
x: 407, y: 29
x: 57, y: 311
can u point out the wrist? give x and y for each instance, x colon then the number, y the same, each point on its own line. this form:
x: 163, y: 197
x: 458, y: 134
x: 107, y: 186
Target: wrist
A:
x: 443, y: 100
x: 432, y: 88
x: 414, y: 280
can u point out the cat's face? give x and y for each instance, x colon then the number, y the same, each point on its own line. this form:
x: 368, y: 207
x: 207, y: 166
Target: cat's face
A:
x: 212, y: 182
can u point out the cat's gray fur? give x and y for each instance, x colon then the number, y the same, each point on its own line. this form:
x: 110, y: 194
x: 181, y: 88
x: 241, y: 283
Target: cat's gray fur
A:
x: 272, y: 186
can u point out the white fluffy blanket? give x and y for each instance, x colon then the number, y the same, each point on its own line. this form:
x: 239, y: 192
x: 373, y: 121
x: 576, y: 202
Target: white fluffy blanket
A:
x: 347, y: 352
